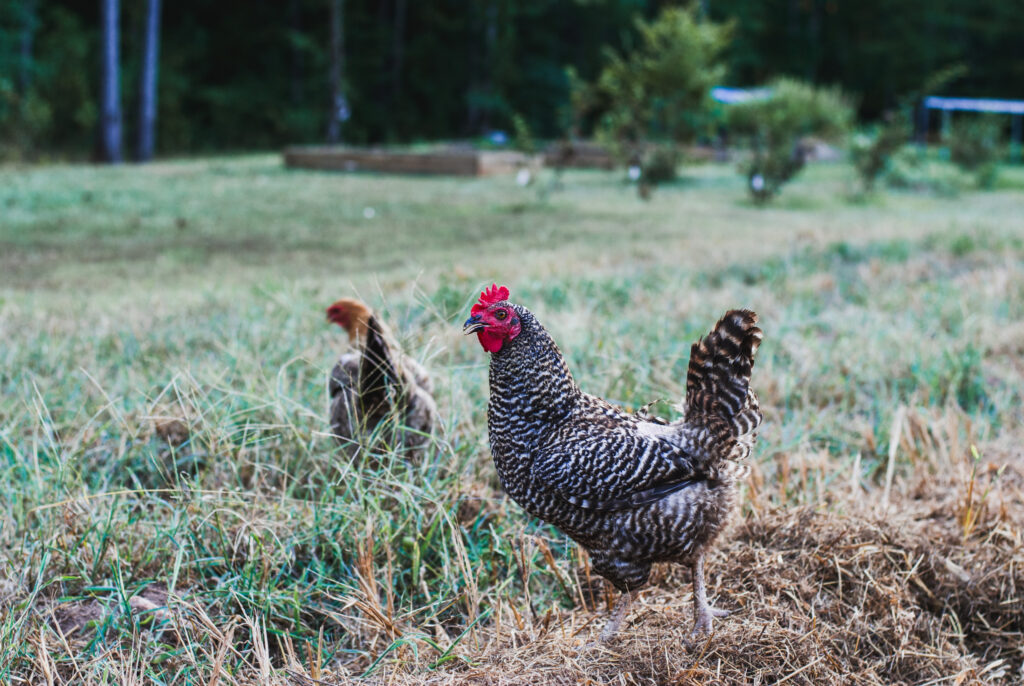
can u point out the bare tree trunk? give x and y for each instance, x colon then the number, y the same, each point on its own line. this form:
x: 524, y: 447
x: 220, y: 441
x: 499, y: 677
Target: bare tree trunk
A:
x: 28, y: 30
x: 491, y: 37
x: 473, y: 61
x: 295, y: 54
x: 815, y: 51
x: 338, y: 108
x: 147, y: 87
x: 110, y: 125
x: 397, y: 50
x: 481, y: 67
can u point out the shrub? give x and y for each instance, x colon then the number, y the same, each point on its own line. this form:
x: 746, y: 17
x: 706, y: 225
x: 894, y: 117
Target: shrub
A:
x: 976, y: 147
x: 776, y: 126
x: 659, y: 91
x: 871, y: 152
x: 660, y: 164
x: 911, y: 169
x: 24, y: 120
x: 522, y: 136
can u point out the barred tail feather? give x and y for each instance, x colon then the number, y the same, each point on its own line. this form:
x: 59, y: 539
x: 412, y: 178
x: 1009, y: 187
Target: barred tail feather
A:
x: 729, y: 470
x: 718, y: 381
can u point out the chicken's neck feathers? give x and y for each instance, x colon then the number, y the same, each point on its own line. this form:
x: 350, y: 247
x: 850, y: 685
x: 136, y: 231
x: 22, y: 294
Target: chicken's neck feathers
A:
x: 531, y: 388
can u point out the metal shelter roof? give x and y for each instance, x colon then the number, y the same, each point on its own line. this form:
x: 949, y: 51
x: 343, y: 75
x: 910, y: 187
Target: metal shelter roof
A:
x: 934, y: 102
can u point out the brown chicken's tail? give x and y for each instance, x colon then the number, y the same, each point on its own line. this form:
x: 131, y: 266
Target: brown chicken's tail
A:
x: 378, y: 378
x: 718, y: 380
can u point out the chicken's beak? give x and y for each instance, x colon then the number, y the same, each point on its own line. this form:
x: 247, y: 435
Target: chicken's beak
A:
x: 473, y: 324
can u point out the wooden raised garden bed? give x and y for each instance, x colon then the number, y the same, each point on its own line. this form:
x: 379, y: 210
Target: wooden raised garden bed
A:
x: 453, y: 162
x: 578, y: 155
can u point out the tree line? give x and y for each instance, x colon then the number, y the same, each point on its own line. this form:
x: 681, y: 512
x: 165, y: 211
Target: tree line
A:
x: 115, y: 79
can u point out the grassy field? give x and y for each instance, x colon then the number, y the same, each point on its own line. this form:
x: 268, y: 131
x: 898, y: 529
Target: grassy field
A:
x: 174, y: 512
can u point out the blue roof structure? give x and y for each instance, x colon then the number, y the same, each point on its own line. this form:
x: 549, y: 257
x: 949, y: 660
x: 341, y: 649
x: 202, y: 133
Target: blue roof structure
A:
x: 733, y: 96
x: 991, y: 105
x: 933, y: 102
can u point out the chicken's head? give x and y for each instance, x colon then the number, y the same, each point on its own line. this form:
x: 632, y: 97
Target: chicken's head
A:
x: 493, y: 319
x: 351, y: 315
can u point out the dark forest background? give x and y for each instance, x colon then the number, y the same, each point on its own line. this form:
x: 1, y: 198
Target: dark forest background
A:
x: 242, y: 75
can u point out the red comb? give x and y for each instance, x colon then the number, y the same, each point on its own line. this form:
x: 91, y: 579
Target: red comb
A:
x: 494, y: 294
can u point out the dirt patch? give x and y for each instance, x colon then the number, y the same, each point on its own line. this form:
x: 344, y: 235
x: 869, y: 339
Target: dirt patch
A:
x: 173, y: 430
x: 816, y: 598
x: 77, y: 619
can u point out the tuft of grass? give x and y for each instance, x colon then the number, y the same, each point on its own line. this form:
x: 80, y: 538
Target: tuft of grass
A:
x: 179, y: 515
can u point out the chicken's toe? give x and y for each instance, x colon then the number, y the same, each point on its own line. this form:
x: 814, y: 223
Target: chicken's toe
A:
x: 703, y: 621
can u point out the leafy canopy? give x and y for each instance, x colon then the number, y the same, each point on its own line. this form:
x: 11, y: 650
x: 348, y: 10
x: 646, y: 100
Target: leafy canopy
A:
x: 650, y: 97
x: 660, y: 90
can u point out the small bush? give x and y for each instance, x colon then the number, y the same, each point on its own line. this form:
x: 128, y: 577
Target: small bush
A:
x: 776, y: 126
x: 871, y: 151
x: 659, y: 91
x: 976, y: 147
x: 522, y: 136
x: 23, y: 121
x: 660, y: 164
x: 910, y: 169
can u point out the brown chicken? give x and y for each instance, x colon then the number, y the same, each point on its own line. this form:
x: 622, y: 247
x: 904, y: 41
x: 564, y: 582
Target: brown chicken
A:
x: 377, y: 392
x: 630, y: 489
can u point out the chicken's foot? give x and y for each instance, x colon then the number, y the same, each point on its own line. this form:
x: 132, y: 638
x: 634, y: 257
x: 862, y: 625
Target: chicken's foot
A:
x: 618, y: 614
x: 702, y: 611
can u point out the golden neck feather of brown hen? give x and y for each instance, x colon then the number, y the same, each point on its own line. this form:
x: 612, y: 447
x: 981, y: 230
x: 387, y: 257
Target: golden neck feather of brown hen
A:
x: 353, y: 316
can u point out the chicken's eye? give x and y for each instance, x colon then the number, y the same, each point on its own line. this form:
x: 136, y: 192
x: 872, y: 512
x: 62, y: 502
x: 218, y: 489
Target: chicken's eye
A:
x: 500, y: 314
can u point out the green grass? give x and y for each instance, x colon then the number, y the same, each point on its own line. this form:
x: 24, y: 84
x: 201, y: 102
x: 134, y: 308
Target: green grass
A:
x: 195, y: 290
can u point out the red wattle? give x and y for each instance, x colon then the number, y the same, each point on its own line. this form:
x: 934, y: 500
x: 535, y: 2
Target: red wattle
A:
x: 490, y: 341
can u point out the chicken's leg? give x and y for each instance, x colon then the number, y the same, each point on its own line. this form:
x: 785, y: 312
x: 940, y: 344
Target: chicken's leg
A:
x: 702, y: 612
x: 618, y: 614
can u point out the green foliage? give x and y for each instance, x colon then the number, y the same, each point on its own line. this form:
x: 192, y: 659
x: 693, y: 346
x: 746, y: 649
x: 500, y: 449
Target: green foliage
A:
x: 257, y: 514
x: 661, y: 164
x: 580, y: 106
x: 876, y: 49
x: 25, y: 119
x: 871, y: 151
x: 659, y: 90
x: 57, y: 109
x: 976, y: 147
x: 775, y: 127
x: 429, y: 70
x: 913, y: 169
x: 522, y: 137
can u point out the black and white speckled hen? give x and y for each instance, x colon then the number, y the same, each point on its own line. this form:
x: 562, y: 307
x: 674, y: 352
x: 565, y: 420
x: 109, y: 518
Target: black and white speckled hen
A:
x: 376, y: 390
x: 630, y: 489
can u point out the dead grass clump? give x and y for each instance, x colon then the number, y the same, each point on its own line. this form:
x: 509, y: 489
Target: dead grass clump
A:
x: 898, y: 599
x: 972, y: 570
x: 980, y: 586
x: 841, y: 594
x: 817, y: 598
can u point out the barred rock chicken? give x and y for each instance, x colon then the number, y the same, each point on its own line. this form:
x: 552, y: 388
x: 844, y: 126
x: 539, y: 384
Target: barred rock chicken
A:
x: 376, y: 382
x: 630, y: 489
